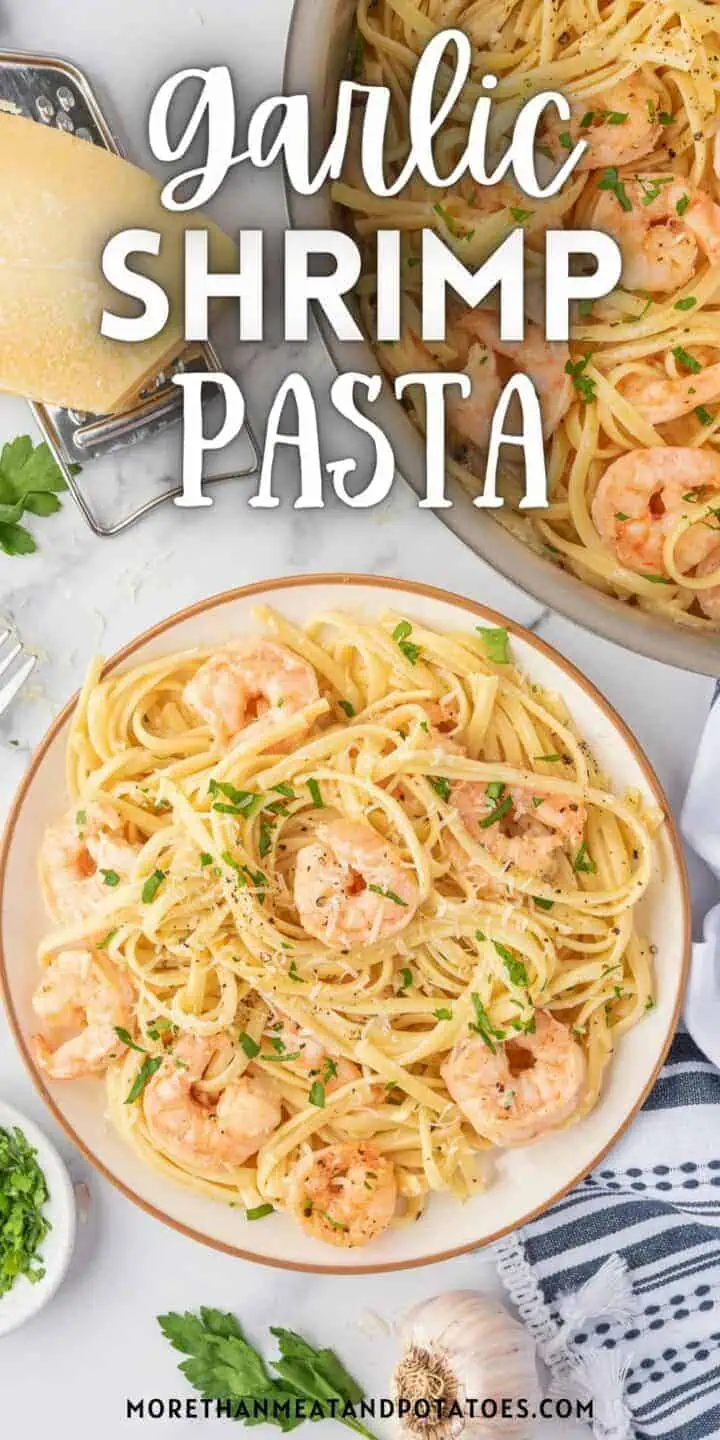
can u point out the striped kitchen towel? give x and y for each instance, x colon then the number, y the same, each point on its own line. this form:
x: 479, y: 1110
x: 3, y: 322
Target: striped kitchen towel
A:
x: 620, y: 1282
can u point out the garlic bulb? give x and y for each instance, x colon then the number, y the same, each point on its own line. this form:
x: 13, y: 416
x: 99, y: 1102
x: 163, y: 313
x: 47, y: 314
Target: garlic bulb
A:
x: 468, y: 1369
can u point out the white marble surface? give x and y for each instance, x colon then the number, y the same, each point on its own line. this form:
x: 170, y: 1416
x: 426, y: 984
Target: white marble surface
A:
x: 69, y: 1371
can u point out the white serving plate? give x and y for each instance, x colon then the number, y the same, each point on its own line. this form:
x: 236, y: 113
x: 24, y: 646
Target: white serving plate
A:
x: 25, y: 1299
x: 527, y: 1181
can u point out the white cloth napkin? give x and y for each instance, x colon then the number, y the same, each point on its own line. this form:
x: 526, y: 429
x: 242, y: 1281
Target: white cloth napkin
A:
x: 700, y: 823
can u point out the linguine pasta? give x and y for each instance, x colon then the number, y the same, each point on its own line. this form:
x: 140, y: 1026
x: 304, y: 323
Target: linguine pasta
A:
x: 643, y: 366
x: 350, y: 1035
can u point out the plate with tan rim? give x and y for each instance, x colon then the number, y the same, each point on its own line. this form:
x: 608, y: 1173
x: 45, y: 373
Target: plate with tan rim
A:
x: 526, y: 1181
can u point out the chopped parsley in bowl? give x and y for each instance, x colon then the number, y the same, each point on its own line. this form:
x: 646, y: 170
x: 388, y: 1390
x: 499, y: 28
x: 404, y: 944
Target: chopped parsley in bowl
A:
x: 37, y: 1219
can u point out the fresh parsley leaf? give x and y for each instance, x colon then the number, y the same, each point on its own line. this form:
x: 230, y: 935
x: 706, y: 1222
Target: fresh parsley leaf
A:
x: 249, y: 1045
x: 150, y: 1064
x: 496, y: 643
x: 347, y: 707
x: 110, y: 877
x: 315, y: 794
x: 388, y: 895
x: 496, y: 814
x: 151, y: 886
x: 484, y: 1027
x: 687, y: 361
x: 583, y: 862
x: 443, y: 1013
x: 515, y: 968
x: 440, y: 785
x: 317, y: 1094
x: 221, y: 1364
x: 259, y: 1212
x: 30, y: 480
x: 126, y: 1038
x: 610, y: 180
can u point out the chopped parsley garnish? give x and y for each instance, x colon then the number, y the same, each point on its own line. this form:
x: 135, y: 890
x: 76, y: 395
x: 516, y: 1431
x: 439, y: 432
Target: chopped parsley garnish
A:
x: 293, y: 974
x: 484, y: 1027
x: 259, y: 1211
x: 687, y: 361
x: 285, y: 790
x: 549, y: 759
x: 317, y: 1094
x: 406, y: 977
x: 496, y: 644
x: 565, y: 140
x: 519, y: 215
x: 703, y: 415
x: 205, y: 859
x: 440, y: 785
x: 443, y: 1013
x: 315, y: 794
x: 620, y: 515
x: 152, y: 885
x: 388, y: 895
x: 657, y: 579
x: 583, y: 861
x: 103, y: 944
x: 264, y: 838
x: 495, y: 790
x: 125, y: 1038
x: 686, y: 303
x: 23, y: 1227
x: 111, y: 878
x: 543, y: 904
x: 249, y: 1045
x: 150, y: 1064
x: 682, y: 204
x: 81, y: 817
x: 610, y: 180
x: 665, y: 117
x: 347, y: 707
x: 583, y: 383
x: 496, y: 814
x: 400, y: 636
x: 515, y: 968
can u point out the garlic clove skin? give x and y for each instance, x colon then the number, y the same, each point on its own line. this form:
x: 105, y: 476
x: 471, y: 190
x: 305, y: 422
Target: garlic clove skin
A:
x: 464, y: 1346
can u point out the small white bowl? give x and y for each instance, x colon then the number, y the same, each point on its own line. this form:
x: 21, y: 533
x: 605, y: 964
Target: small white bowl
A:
x: 24, y: 1299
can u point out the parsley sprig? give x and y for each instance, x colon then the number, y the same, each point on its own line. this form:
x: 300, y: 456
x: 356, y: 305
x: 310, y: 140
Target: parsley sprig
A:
x: 222, y: 1365
x: 30, y: 482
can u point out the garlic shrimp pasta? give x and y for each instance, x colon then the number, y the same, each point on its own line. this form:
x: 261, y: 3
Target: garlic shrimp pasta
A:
x: 335, y: 912
x: 637, y: 390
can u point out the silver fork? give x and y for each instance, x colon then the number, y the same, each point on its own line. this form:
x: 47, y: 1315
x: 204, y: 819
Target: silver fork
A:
x: 12, y: 651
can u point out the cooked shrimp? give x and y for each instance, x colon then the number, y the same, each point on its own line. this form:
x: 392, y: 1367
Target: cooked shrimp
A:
x: 660, y: 231
x: 83, y: 991
x: 345, y: 1194
x: 351, y: 886
x: 77, y: 856
x: 530, y: 833
x: 640, y: 499
x: 258, y: 680
x: 312, y: 1055
x: 521, y: 1090
x: 661, y: 400
x: 620, y: 124
x: 219, y: 1136
x: 472, y: 417
x: 543, y: 361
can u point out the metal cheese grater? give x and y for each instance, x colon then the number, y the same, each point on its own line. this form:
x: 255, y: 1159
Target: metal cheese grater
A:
x: 53, y: 92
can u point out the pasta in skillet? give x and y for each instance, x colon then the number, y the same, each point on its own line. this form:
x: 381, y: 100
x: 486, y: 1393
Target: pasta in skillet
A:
x: 630, y: 407
x: 337, y: 911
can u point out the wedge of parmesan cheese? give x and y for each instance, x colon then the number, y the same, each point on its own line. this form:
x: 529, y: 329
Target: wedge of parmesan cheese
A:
x: 61, y: 199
